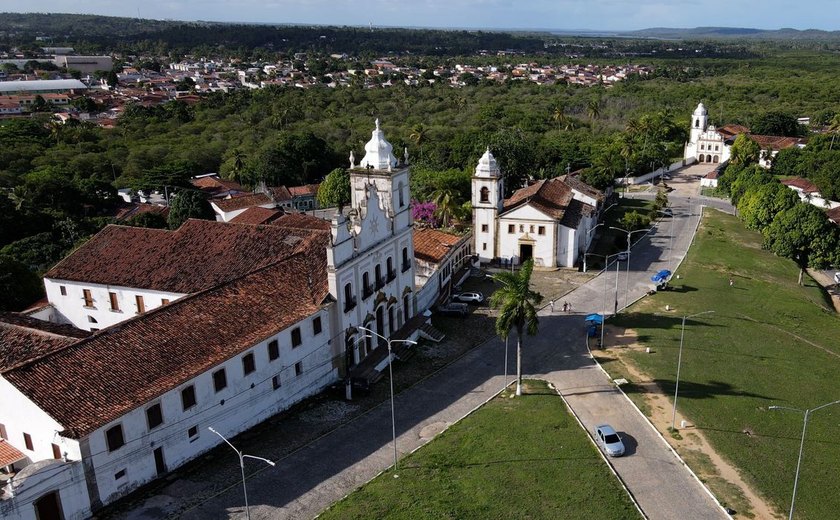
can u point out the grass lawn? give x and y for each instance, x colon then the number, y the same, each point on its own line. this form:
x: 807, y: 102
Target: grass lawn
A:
x: 769, y: 342
x: 513, y: 458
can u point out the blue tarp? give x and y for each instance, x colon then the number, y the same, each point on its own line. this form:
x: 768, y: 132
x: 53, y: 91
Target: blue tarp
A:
x: 661, y: 276
x: 596, y: 318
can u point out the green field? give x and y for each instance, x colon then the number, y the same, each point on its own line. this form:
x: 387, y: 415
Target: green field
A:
x: 769, y: 342
x: 513, y: 458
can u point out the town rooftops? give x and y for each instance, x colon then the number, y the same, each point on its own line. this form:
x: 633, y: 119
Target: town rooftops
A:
x: 91, y: 382
x: 728, y: 131
x: 198, y: 255
x: 40, y: 85
x: 23, y: 338
x: 305, y: 190
x: 215, y: 186
x: 776, y: 142
x: 802, y: 184
x: 242, y: 201
x: 431, y: 245
x: 257, y: 215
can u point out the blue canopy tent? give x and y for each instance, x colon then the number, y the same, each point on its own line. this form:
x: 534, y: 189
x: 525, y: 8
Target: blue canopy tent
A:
x: 593, y: 321
x: 661, y: 277
x: 597, y: 319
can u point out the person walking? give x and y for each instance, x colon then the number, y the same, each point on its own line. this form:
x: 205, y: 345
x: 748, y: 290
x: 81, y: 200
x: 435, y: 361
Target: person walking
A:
x: 565, y: 306
x: 570, y: 307
x: 551, y: 304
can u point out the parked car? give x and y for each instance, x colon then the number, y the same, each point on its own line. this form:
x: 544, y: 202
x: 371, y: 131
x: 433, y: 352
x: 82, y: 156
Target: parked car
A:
x: 837, y: 277
x: 469, y: 297
x: 454, y: 309
x: 608, y: 439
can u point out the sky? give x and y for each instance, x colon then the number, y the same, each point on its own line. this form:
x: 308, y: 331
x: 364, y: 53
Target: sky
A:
x: 603, y: 15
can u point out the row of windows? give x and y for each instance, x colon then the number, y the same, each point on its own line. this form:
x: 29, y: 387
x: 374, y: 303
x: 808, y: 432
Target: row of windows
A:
x: 154, y: 413
x: 703, y: 147
x: 27, y: 442
x: 378, y: 280
x: 512, y: 229
x: 90, y: 302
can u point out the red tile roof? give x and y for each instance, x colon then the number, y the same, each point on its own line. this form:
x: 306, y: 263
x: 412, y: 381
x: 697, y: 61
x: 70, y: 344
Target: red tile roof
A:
x: 714, y: 174
x: 306, y: 189
x: 803, y: 184
x: 257, y: 215
x: 551, y: 197
x: 242, y: 201
x: 775, y: 142
x: 215, y: 186
x: 728, y: 131
x: 302, y: 221
x: 834, y: 215
x: 9, y: 454
x: 431, y: 245
x: 23, y: 338
x: 198, y: 255
x: 88, y: 384
x: 125, y: 210
x: 280, y: 193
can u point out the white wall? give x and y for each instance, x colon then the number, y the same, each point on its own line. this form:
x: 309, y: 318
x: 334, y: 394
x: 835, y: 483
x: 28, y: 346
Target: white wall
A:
x: 246, y: 401
x: 543, y: 245
x: 72, y: 306
x: 20, y: 415
x: 66, y: 478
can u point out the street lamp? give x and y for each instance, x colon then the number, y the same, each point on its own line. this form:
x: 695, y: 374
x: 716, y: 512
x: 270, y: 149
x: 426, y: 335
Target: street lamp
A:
x: 242, y: 457
x: 593, y: 229
x: 371, y: 334
x: 604, y: 316
x: 801, y: 443
x: 679, y: 364
x: 627, y: 277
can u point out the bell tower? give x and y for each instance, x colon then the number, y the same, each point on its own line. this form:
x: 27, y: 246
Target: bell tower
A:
x: 487, y: 202
x: 699, y: 122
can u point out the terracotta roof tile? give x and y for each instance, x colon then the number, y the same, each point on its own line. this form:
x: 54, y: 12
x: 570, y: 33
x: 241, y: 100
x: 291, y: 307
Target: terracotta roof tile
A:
x: 573, y: 182
x: 125, y: 210
x: 801, y: 183
x: 548, y: 196
x: 280, y: 193
x: 775, y: 142
x: 432, y: 245
x: 302, y: 221
x: 306, y: 189
x: 215, y: 186
x: 198, y: 255
x: 23, y: 338
x: 731, y: 130
x: 9, y: 454
x: 834, y: 215
x: 243, y: 201
x: 257, y: 215
x: 97, y: 380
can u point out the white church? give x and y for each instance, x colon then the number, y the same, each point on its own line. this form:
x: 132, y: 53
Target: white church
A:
x: 155, y: 335
x: 549, y: 221
x: 706, y: 144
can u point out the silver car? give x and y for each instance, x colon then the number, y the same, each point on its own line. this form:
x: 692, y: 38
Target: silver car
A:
x: 469, y: 297
x: 608, y: 439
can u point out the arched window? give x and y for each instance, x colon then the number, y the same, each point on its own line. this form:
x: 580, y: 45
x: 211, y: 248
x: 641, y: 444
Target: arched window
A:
x: 402, y: 197
x: 485, y: 194
x: 377, y: 277
x: 708, y: 158
x: 366, y: 288
x: 715, y: 159
x: 696, y: 123
x: 702, y: 158
x: 406, y: 307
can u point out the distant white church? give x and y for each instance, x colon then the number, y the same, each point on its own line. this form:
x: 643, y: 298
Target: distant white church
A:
x: 549, y: 221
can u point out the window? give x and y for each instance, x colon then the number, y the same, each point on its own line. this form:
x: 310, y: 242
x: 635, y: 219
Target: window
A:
x: 27, y: 441
x: 717, y: 147
x: 63, y: 290
x: 91, y: 319
x: 511, y: 228
x: 114, y: 438
x: 192, y: 433
x: 88, y: 297
x: 275, y: 382
x: 273, y: 350
x: 366, y: 288
x: 248, y: 364
x: 188, y: 397
x: 349, y: 301
x: 219, y: 380
x: 484, y: 246
x: 154, y: 416
x: 141, y: 306
x: 484, y: 228
x: 521, y: 228
x: 119, y: 474
x: 485, y: 194
x: 406, y: 264
x: 298, y: 368
x: 532, y: 228
x: 402, y: 197
x: 389, y: 267
x: 164, y: 301
x: 541, y: 230
x: 316, y: 325
x: 296, y: 340
x: 115, y: 304
x: 56, y: 451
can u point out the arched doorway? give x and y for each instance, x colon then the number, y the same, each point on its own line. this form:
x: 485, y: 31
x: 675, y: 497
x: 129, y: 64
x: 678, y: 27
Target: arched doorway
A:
x: 715, y: 159
x: 48, y: 507
x: 380, y: 322
x: 708, y: 158
x: 702, y: 158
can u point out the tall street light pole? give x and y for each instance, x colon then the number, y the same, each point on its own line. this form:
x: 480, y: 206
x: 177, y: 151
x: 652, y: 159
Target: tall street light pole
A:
x: 592, y: 230
x: 679, y: 365
x: 670, y: 235
x: 801, y: 443
x: 242, y: 457
x: 604, y: 316
x: 371, y: 334
x: 627, y: 276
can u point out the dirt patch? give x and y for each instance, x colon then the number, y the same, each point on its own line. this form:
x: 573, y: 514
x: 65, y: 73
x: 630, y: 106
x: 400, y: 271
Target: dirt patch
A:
x: 722, y: 477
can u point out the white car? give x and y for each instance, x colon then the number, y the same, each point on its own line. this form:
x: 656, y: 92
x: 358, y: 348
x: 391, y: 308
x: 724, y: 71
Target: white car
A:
x: 608, y: 439
x: 837, y: 277
x: 469, y: 297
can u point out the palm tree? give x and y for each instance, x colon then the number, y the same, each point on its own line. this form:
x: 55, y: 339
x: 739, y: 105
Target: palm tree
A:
x: 593, y: 109
x: 516, y: 302
x: 419, y: 134
x: 447, y: 205
x: 238, y: 162
x: 834, y: 128
x: 559, y: 116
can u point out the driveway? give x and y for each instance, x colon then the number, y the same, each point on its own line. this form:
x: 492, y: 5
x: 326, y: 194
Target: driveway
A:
x: 307, y: 481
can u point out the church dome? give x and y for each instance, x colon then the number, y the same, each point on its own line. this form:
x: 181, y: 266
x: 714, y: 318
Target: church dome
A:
x: 700, y: 110
x: 378, y: 152
x: 487, y: 166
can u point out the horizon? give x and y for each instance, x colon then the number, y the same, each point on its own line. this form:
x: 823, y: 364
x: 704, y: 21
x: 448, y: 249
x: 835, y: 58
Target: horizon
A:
x: 526, y: 15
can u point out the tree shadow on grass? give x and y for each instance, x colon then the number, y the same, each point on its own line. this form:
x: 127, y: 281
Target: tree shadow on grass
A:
x: 493, y: 462
x: 692, y: 390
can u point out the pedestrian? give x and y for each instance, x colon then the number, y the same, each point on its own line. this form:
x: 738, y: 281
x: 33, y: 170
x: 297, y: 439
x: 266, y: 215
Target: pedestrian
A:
x: 570, y: 307
x: 565, y: 306
x: 731, y: 282
x: 551, y: 304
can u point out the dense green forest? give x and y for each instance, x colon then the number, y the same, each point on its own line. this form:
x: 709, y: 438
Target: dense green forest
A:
x: 60, y: 180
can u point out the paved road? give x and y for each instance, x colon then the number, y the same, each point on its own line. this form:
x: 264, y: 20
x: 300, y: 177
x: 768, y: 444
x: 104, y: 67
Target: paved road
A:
x: 309, y: 480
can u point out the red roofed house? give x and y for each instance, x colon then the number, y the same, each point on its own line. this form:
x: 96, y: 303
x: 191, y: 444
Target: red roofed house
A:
x: 548, y: 221
x: 439, y: 256
x: 213, y: 324
x: 227, y: 208
x: 808, y: 192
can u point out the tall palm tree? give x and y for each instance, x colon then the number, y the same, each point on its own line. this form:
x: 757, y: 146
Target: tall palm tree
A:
x: 834, y: 128
x: 593, y: 109
x: 517, y: 304
x: 447, y: 205
x: 559, y: 116
x: 238, y: 162
x: 419, y: 134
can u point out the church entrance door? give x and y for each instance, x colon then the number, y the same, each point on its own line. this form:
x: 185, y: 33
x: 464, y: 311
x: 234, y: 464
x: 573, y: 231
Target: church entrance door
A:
x: 526, y: 251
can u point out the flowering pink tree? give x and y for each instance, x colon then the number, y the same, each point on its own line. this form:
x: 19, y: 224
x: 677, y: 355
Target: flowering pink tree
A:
x: 424, y: 212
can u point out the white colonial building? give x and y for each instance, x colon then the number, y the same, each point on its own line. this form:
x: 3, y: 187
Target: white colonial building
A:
x: 706, y: 143
x: 549, y: 221
x: 213, y: 325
